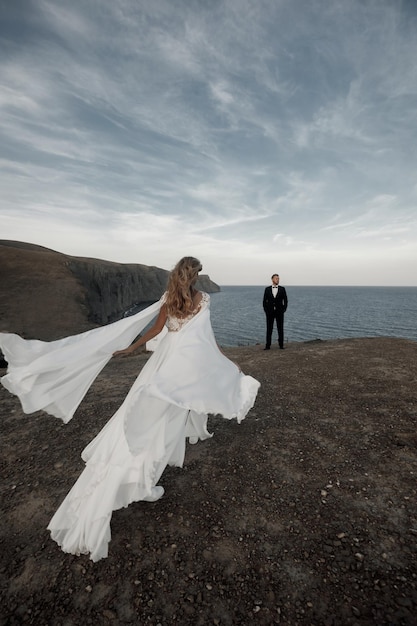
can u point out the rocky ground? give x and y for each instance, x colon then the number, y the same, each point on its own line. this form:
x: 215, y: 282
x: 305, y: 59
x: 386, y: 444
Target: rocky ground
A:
x: 305, y: 513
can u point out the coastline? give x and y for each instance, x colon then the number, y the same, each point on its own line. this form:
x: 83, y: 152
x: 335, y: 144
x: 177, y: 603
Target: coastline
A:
x: 304, y: 513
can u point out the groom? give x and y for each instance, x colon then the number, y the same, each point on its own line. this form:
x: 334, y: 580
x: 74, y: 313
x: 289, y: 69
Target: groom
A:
x: 275, y: 304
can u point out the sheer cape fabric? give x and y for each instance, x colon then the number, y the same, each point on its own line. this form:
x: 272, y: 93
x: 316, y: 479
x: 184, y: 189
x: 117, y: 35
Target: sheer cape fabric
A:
x: 54, y: 376
x: 186, y: 378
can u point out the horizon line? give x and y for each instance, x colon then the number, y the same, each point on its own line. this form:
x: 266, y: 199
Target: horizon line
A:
x: 356, y: 286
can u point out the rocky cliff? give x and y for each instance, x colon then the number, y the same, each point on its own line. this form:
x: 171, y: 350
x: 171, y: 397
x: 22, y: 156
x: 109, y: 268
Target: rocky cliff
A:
x: 45, y: 294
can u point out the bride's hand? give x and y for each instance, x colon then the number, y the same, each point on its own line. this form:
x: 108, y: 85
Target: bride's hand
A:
x: 124, y: 352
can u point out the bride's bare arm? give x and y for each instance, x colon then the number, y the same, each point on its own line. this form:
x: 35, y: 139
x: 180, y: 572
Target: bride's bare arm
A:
x: 150, y: 334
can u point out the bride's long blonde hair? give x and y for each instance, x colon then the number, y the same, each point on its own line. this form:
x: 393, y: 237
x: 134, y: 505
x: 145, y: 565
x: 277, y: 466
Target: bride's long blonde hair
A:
x: 179, y: 294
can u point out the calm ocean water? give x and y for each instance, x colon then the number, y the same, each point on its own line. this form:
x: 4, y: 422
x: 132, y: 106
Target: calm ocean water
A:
x: 238, y: 318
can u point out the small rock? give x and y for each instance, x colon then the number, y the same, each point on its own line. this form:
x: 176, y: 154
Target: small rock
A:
x: 109, y: 614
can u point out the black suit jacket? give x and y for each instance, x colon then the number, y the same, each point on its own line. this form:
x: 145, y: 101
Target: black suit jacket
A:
x: 279, y: 303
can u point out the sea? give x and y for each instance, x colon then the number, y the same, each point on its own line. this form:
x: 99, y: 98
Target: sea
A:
x: 315, y: 313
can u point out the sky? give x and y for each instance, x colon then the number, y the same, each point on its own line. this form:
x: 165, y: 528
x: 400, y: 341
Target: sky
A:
x: 259, y: 136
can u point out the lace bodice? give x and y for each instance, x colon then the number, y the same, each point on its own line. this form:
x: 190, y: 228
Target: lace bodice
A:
x: 174, y: 324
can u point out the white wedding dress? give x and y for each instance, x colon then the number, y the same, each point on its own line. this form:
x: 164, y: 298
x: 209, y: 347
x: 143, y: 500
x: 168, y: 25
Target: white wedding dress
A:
x: 186, y: 378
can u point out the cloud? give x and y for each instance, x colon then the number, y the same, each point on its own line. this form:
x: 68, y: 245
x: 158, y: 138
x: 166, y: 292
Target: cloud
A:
x: 246, y: 131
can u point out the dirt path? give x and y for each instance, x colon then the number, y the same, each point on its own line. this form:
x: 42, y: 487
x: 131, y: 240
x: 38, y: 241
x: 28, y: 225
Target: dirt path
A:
x: 305, y: 513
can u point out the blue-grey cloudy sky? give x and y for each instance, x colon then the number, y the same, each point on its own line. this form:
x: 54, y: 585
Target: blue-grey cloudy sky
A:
x: 259, y: 135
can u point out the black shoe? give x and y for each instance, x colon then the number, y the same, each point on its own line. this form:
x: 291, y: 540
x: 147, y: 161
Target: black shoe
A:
x: 267, y: 348
x: 281, y: 347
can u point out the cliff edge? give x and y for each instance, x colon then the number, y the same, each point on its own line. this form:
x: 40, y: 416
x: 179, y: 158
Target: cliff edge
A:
x: 46, y: 294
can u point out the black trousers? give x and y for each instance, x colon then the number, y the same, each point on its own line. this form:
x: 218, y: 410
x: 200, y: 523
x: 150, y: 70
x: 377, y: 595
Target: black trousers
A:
x: 278, y: 317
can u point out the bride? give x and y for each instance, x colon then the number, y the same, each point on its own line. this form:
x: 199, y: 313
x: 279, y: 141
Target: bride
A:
x: 185, y: 379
